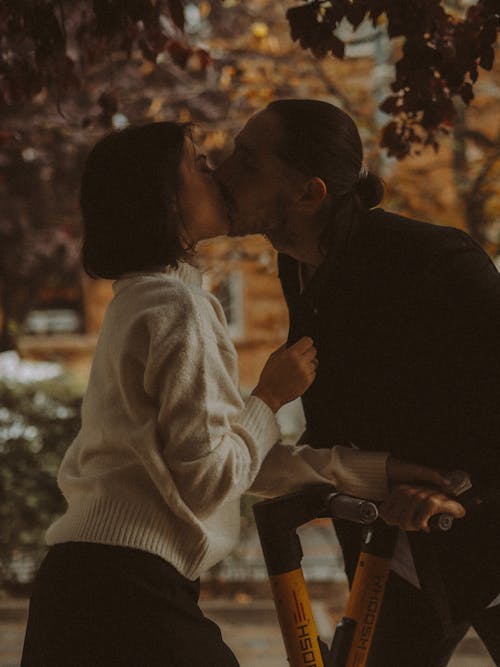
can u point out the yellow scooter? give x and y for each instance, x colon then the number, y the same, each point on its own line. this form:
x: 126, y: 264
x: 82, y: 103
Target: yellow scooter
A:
x: 277, y: 520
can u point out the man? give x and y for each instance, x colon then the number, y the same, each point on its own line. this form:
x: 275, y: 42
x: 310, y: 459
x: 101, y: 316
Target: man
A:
x: 405, y: 316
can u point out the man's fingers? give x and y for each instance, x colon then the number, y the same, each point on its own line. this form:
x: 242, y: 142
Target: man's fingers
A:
x: 431, y: 506
x: 391, y: 507
x: 419, y: 504
x: 445, y: 506
x: 400, y: 507
x: 411, y: 507
x: 424, y: 474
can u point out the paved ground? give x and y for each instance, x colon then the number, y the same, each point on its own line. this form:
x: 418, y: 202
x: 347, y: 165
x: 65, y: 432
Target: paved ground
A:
x: 247, y: 619
x: 251, y: 631
x: 249, y: 627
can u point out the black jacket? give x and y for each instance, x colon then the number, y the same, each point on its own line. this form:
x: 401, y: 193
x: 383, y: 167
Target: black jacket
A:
x: 406, y: 319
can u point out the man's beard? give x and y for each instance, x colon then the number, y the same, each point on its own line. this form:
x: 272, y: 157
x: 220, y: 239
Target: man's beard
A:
x: 280, y: 235
x: 269, y: 220
x: 272, y: 224
x: 254, y: 221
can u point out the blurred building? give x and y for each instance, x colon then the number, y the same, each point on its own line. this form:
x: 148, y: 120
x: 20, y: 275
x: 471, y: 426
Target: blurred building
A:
x: 256, y: 63
x: 242, y: 274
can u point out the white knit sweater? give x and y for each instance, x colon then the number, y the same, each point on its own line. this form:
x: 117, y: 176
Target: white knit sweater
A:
x: 167, y: 446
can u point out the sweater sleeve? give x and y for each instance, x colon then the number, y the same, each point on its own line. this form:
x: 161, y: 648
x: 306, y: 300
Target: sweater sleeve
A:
x: 212, y: 442
x: 287, y: 468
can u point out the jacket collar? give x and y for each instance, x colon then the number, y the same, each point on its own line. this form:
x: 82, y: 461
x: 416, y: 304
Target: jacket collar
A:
x: 329, y: 270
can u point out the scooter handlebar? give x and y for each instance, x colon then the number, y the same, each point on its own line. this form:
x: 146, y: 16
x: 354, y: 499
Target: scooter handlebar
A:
x: 441, y: 522
x: 359, y: 510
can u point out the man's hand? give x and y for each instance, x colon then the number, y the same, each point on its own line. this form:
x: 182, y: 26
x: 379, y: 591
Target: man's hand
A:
x: 410, y: 507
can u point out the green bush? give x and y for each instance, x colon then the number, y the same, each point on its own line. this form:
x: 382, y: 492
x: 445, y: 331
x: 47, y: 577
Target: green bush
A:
x: 38, y: 421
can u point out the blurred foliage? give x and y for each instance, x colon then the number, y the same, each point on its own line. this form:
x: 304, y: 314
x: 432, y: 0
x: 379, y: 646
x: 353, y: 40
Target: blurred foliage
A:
x: 71, y: 70
x: 47, y: 44
x: 38, y: 421
x: 136, y: 62
x: 440, y: 58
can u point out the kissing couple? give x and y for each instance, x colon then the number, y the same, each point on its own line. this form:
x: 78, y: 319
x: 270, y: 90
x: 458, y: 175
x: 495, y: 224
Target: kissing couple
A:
x: 393, y: 346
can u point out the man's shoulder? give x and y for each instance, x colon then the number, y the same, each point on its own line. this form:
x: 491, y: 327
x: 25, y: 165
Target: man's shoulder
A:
x: 385, y: 232
x: 385, y: 228
x: 388, y: 244
x: 387, y: 248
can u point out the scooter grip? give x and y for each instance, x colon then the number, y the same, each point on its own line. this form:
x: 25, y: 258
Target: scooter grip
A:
x: 440, y: 522
x: 346, y: 507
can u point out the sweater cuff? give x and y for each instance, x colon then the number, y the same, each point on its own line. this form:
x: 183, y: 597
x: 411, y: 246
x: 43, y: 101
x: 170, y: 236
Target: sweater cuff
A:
x: 260, y: 422
x: 366, y: 472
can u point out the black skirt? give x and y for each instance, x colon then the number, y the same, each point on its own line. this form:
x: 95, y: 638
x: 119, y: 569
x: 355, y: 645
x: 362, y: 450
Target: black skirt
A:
x: 98, y: 605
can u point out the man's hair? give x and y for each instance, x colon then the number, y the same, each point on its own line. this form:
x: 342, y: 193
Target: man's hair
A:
x: 319, y: 139
x: 127, y: 198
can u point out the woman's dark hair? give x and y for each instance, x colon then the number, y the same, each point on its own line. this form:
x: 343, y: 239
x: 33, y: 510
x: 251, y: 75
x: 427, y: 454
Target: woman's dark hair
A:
x: 127, y: 192
x: 322, y: 140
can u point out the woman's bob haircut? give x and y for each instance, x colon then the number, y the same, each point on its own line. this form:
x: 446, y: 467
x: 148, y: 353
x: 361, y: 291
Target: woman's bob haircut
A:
x: 127, y: 199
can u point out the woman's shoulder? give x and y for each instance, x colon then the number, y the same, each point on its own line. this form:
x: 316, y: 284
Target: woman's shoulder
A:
x: 163, y: 302
x: 154, y: 294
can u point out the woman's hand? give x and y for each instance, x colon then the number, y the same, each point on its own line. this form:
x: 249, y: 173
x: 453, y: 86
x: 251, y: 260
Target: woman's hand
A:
x: 410, y: 507
x: 287, y: 374
x: 399, y: 471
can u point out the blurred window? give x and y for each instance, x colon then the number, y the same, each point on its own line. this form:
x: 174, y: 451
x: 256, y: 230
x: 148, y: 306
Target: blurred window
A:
x: 57, y: 309
x: 229, y: 291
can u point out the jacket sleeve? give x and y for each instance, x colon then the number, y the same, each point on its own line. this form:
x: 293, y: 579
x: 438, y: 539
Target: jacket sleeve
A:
x: 287, y: 468
x: 458, y: 378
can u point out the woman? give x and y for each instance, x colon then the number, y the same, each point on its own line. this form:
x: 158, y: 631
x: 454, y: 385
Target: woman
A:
x: 167, y: 447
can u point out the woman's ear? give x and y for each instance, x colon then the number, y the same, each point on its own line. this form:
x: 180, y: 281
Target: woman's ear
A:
x: 313, y: 194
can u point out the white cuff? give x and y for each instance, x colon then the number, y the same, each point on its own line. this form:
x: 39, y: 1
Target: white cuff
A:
x: 260, y: 422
